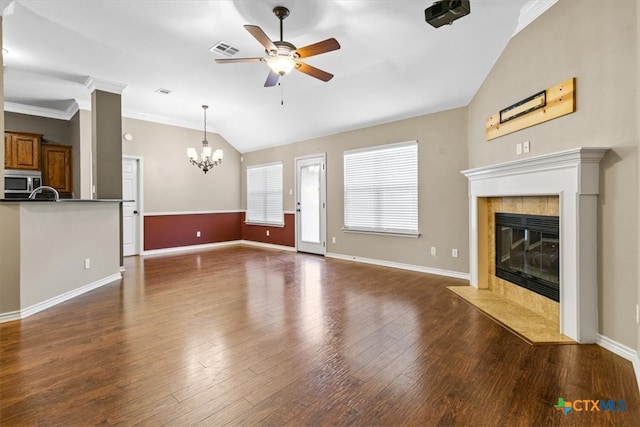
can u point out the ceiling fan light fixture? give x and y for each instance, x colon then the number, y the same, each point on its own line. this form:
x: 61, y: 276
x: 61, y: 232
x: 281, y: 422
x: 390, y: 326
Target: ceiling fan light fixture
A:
x: 281, y: 64
x: 282, y: 57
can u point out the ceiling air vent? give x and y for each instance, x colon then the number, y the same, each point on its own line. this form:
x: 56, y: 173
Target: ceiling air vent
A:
x: 224, y: 49
x: 163, y: 91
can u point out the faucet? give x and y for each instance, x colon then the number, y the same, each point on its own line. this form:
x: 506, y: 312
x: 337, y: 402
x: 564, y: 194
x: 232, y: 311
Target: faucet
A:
x: 44, y: 187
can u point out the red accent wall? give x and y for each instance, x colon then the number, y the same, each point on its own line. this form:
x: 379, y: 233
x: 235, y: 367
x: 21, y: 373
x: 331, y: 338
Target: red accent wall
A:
x: 170, y: 231
x: 284, y: 236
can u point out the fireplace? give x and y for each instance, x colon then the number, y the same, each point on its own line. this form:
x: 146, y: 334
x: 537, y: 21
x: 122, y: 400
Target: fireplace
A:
x: 527, y: 249
x: 573, y: 176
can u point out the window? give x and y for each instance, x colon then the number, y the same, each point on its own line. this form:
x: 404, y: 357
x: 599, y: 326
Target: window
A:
x: 381, y: 189
x: 264, y: 194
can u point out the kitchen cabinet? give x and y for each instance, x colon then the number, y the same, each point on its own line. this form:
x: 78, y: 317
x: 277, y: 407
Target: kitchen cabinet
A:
x: 22, y: 150
x: 56, y: 168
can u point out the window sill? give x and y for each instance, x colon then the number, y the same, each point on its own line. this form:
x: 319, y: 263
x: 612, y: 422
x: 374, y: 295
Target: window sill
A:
x: 382, y: 233
x: 266, y: 224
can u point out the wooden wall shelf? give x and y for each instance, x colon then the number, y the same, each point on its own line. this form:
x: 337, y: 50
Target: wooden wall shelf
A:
x: 552, y: 103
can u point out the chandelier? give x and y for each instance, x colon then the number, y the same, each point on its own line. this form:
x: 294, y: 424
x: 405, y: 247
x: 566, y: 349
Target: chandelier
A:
x: 209, y: 158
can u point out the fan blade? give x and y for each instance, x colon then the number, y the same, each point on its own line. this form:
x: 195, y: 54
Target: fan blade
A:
x: 232, y: 60
x: 313, y: 71
x: 259, y: 35
x: 272, y: 79
x: 317, y: 48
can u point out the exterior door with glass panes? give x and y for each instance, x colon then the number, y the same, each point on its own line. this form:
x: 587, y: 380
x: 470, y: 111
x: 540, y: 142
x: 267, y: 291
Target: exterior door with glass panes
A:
x: 311, y: 204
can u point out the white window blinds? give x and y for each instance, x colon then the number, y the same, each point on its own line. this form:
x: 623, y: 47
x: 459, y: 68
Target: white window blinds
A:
x: 381, y: 189
x: 264, y: 194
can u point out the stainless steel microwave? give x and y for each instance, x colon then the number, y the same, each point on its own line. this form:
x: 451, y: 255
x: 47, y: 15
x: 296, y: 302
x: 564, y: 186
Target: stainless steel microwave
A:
x: 21, y: 182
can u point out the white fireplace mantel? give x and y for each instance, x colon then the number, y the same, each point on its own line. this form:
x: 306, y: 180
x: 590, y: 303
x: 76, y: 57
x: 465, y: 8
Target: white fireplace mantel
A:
x: 573, y: 175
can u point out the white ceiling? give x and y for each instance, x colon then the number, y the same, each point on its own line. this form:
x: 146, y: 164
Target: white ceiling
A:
x: 392, y: 64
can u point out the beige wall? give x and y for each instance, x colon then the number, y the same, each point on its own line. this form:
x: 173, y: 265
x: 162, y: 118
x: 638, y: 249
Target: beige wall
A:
x: 76, y: 147
x: 36, y: 266
x: 55, y: 131
x: 85, y: 165
x: 9, y: 258
x: 171, y: 183
x: 442, y: 190
x: 637, y: 73
x: 598, y: 46
x: 49, y: 268
x: 106, y: 121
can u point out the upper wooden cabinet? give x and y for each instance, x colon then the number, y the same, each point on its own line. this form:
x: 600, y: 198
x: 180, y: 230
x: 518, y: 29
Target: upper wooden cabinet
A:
x: 22, y: 150
x: 56, y: 168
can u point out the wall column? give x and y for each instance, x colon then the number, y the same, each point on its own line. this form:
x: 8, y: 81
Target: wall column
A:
x: 106, y: 142
x: 106, y: 118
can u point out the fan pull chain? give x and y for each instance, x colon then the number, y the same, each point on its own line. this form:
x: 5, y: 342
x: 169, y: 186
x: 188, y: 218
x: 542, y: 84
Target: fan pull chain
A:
x: 281, y: 94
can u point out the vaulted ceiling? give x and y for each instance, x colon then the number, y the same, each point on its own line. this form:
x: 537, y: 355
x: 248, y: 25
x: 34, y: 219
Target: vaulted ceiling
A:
x: 391, y: 64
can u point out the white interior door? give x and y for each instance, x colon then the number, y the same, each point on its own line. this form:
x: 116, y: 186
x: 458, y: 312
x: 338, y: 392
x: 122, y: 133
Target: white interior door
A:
x: 311, y: 204
x: 130, y: 210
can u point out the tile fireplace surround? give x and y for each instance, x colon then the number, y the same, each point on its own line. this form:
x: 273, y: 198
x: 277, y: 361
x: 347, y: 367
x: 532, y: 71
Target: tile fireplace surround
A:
x: 573, y: 175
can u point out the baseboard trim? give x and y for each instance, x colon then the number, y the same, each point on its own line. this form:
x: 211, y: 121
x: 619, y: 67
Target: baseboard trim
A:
x: 218, y: 245
x: 402, y: 266
x: 636, y: 368
x: 189, y: 248
x: 429, y: 270
x: 622, y: 351
x: 268, y: 245
x: 36, y: 308
x: 10, y: 316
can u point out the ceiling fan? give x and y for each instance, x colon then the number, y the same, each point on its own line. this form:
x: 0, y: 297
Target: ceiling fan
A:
x: 282, y: 56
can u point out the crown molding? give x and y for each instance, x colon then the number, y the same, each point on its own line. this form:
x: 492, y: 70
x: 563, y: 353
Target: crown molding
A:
x: 94, y: 83
x: 7, y: 7
x: 163, y: 120
x: 51, y: 113
x: 531, y: 11
x: 82, y: 105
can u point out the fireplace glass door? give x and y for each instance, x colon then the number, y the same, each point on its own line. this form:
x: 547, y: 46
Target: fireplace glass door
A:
x: 528, y: 252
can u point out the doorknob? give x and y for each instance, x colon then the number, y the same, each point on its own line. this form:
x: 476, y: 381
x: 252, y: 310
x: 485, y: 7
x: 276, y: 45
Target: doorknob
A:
x: 135, y: 212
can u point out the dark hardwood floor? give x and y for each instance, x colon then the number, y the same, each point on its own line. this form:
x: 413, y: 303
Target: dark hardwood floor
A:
x: 247, y: 336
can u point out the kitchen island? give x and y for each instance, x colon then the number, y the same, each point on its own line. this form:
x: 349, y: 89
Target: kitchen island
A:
x: 54, y: 250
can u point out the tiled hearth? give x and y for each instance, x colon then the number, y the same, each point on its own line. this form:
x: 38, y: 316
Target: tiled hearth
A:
x: 533, y: 317
x: 571, y: 180
x: 521, y: 320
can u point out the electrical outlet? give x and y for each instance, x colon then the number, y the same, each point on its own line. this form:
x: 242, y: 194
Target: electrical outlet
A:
x: 454, y: 253
x: 197, y: 234
x: 333, y: 239
x: 267, y: 233
x: 434, y: 251
x: 525, y: 147
x: 290, y: 192
x: 518, y: 148
x: 87, y: 263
